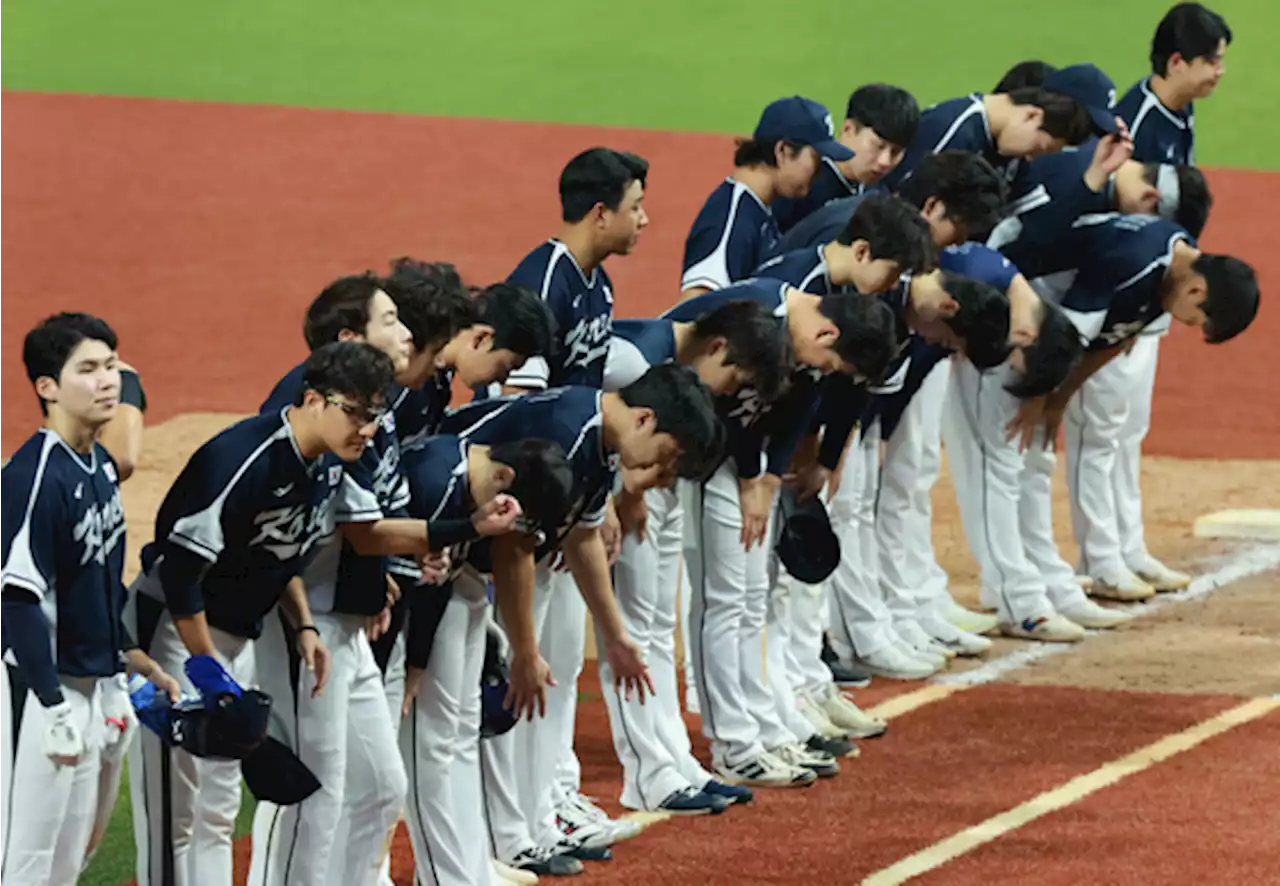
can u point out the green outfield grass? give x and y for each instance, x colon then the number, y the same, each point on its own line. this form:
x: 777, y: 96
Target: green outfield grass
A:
x: 662, y: 64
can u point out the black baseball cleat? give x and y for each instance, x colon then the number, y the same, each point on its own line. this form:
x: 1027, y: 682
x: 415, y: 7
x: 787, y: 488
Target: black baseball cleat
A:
x: 736, y: 794
x: 691, y: 801
x: 836, y: 747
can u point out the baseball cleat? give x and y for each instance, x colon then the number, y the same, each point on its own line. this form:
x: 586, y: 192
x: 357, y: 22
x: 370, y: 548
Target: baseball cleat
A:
x: 1125, y: 587
x: 818, y: 718
x: 1161, y: 577
x: 1052, y: 628
x: 764, y: 770
x: 1084, y: 581
x: 576, y: 814
x: 835, y: 747
x: 820, y: 763
x: 920, y: 642
x: 543, y: 862
x: 691, y: 801
x: 968, y: 620
x: 961, y: 642
x: 840, y: 673
x: 736, y: 794
x: 1088, y: 614
x: 508, y: 874
x: 846, y: 715
x: 898, y: 662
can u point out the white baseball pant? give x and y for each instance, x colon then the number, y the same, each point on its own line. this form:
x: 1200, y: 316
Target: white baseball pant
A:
x: 204, y: 794
x: 729, y: 604
x: 346, y: 739
x: 440, y: 743
x: 49, y: 808
x: 809, y: 610
x: 650, y: 738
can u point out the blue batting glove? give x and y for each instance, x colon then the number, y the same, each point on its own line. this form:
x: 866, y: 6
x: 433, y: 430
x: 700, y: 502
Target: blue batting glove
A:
x: 208, y: 675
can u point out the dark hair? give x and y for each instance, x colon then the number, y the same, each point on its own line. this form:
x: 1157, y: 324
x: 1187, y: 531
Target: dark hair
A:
x: 434, y: 303
x: 344, y: 304
x: 49, y: 344
x: 685, y: 409
x: 892, y: 112
x: 521, y: 320
x: 1024, y: 74
x: 757, y: 152
x: 543, y: 482
x: 598, y: 175
x: 1064, y: 117
x: 868, y: 337
x: 1053, y: 356
x: 982, y: 320
x: 893, y: 229
x: 1190, y: 30
x: 754, y: 340
x: 1231, y: 295
x: 974, y: 193
x: 1194, y: 198
x: 355, y: 370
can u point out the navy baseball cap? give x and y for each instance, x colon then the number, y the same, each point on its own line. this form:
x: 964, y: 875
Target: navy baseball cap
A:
x: 804, y: 122
x: 1088, y: 85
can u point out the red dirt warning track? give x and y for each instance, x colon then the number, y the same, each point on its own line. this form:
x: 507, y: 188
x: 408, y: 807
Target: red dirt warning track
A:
x: 203, y: 230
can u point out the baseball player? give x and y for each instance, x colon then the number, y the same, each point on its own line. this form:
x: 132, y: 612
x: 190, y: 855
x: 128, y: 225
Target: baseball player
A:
x: 664, y: 419
x: 239, y: 523
x: 65, y: 645
x: 735, y: 229
x: 1187, y: 55
x: 1129, y: 269
x: 1072, y: 104
x: 450, y: 478
x: 728, y: 516
x: 736, y: 344
x: 602, y: 205
x: 1024, y: 74
x: 879, y: 122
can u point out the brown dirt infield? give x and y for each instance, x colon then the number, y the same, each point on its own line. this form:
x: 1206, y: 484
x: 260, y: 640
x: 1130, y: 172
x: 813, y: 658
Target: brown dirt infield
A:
x: 202, y: 231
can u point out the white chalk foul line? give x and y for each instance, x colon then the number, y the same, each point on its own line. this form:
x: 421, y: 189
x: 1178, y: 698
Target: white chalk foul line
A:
x: 1071, y: 792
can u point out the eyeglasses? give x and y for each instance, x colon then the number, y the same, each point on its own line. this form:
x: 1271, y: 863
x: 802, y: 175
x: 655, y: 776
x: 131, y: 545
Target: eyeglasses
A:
x: 363, y: 415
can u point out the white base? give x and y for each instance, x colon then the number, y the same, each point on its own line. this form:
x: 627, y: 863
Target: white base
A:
x: 1255, y: 523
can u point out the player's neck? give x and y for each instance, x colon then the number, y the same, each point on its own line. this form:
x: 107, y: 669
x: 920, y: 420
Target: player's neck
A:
x: 481, y: 482
x: 615, y: 413
x: 1170, y: 95
x: 998, y: 107
x: 78, y: 435
x: 310, y: 446
x: 687, y: 344
x: 842, y: 265
x: 578, y: 240
x: 1184, y: 256
x: 759, y: 179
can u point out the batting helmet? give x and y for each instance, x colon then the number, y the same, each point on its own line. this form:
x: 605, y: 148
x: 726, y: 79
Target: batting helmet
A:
x: 807, y: 546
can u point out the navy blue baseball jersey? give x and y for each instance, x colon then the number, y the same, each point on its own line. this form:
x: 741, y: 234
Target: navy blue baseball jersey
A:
x: 418, y: 411
x: 732, y: 234
x: 64, y: 542
x: 828, y: 184
x: 819, y: 227
x: 959, y: 124
x: 250, y: 510
x: 636, y: 346
x: 337, y: 578
x: 570, y: 416
x: 583, y: 307
x: 806, y: 269
x: 439, y: 485
x: 1121, y: 262
x: 741, y: 413
x: 1159, y: 134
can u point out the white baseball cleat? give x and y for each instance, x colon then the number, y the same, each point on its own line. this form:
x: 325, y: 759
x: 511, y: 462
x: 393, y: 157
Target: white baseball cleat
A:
x: 920, y: 642
x: 1161, y: 577
x: 961, y: 642
x: 1089, y: 614
x: 507, y: 874
x: 1052, y: 628
x: 764, y: 770
x: 968, y: 620
x: 1125, y: 587
x: 590, y: 825
x: 898, y: 662
x: 817, y: 717
x: 847, y: 716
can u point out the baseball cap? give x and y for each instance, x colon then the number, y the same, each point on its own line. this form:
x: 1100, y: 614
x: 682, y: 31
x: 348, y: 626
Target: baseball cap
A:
x: 804, y: 122
x: 807, y: 545
x: 1088, y: 85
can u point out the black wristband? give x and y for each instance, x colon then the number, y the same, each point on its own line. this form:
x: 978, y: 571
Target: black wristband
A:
x: 131, y: 390
x: 302, y: 628
x: 447, y: 533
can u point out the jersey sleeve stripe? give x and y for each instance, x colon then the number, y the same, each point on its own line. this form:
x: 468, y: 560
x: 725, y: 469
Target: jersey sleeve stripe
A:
x: 20, y: 568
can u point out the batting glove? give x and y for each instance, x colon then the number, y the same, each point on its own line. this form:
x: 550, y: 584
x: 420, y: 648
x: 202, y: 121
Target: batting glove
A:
x: 121, y: 722
x: 61, y: 741
x: 208, y: 675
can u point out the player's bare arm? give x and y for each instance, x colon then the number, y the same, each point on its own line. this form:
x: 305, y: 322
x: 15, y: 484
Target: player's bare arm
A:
x: 585, y: 554
x: 297, y: 611
x: 1056, y: 403
x: 755, y: 496
x: 122, y: 436
x: 409, y: 537
x: 513, y: 570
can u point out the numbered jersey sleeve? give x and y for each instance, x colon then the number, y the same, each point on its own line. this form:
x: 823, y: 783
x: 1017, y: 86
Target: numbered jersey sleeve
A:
x: 32, y: 507
x: 732, y: 234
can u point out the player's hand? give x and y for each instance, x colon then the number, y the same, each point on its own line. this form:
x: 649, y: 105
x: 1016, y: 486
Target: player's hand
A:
x: 1024, y: 425
x: 833, y: 481
x: 633, y: 513
x: 629, y: 668
x: 412, y: 680
x: 1054, y: 408
x: 611, y: 531
x: 165, y: 682
x: 119, y: 720
x: 377, y: 625
x: 496, y: 516
x: 808, y: 480
x: 61, y: 742
x: 755, y: 500
x: 435, y: 567
x: 637, y: 480
x: 528, y: 677
x: 393, y: 591
x: 315, y: 655
x: 1110, y: 154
